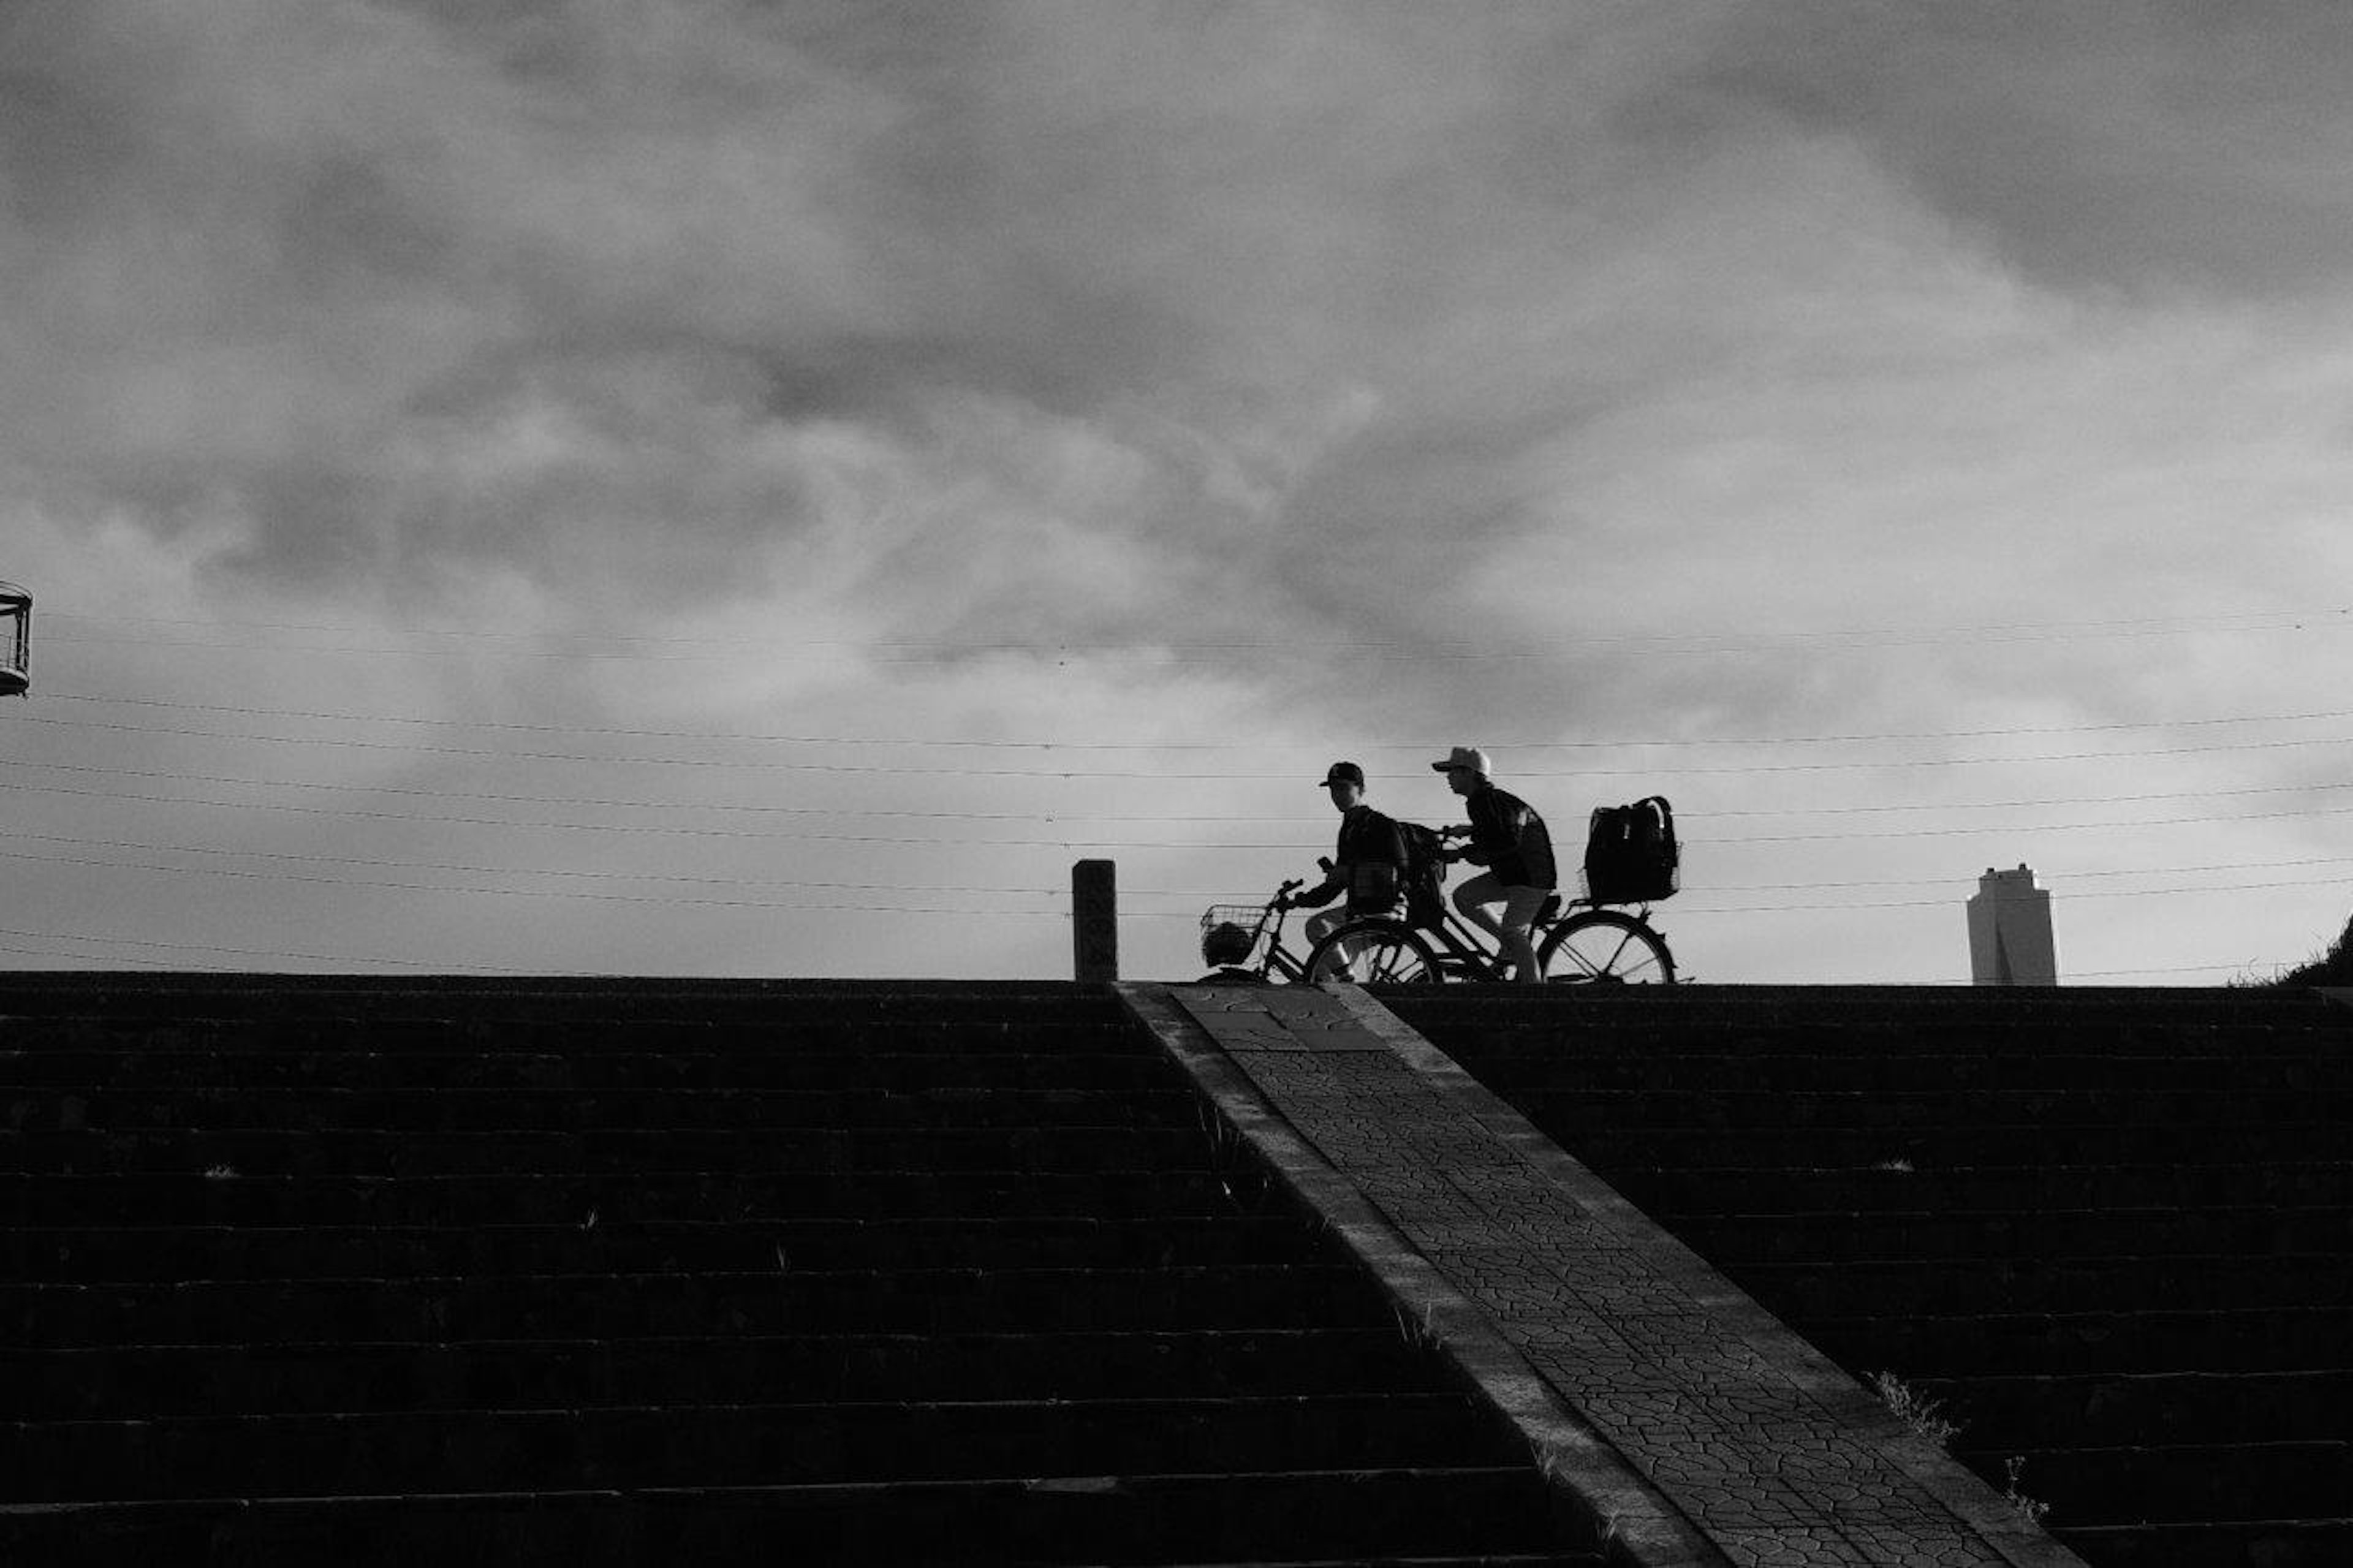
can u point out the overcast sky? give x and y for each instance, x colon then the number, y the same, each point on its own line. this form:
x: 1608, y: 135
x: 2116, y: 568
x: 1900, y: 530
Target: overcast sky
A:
x: 681, y: 486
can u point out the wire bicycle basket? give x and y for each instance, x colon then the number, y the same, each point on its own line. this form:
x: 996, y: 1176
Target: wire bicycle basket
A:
x: 1250, y: 919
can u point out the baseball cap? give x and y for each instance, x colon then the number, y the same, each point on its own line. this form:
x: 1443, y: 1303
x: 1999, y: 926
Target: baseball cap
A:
x: 1343, y: 772
x: 1470, y: 757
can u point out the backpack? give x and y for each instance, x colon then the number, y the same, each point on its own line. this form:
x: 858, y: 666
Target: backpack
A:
x: 1630, y: 854
x: 1425, y: 873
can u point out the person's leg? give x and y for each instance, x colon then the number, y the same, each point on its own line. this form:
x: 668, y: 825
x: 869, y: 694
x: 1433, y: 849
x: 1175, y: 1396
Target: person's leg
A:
x: 1520, y: 907
x: 1471, y: 899
x: 1322, y: 923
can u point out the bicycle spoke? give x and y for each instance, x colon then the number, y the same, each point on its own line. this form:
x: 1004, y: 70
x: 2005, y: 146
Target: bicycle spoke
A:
x: 1605, y: 947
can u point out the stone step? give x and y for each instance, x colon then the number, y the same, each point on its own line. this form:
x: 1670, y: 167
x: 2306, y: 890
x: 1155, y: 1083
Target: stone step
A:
x: 2189, y: 1481
x: 2016, y: 1144
x: 254, y: 1000
x: 227, y: 1199
x: 2309, y: 1236
x: 730, y: 1445
x: 1838, y: 1012
x: 2219, y: 1108
x: 189, y: 1038
x: 2211, y: 1544
x: 1689, y: 1194
x: 2321, y: 1063
x: 131, y: 1253
x: 1451, y: 1513
x: 592, y: 1306
x: 567, y: 1110
x: 2151, y: 1408
x: 323, y: 1377
x: 1922, y: 1347
x: 1804, y: 1291
x: 86, y: 1072
x: 266, y: 1153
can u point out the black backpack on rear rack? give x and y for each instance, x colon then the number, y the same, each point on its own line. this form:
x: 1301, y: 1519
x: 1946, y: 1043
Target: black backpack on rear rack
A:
x: 1630, y: 854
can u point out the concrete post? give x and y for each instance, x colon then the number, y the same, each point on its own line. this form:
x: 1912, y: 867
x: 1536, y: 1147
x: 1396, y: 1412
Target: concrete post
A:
x: 1094, y: 920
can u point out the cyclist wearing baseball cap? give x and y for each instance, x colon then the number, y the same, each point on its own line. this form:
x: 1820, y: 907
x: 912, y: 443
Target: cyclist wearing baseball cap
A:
x: 1367, y: 864
x: 1511, y: 841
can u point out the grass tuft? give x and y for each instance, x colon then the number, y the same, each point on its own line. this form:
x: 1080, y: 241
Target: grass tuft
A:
x: 2028, y: 1510
x: 1924, y: 1417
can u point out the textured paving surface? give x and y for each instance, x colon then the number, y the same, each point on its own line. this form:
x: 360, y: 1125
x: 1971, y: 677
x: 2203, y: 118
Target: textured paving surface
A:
x: 1771, y: 1454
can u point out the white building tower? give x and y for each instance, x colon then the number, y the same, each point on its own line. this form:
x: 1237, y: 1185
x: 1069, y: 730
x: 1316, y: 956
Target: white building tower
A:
x: 2009, y: 931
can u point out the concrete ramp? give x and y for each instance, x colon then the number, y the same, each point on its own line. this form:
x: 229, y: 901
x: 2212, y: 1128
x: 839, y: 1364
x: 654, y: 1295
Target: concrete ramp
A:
x: 1697, y: 1427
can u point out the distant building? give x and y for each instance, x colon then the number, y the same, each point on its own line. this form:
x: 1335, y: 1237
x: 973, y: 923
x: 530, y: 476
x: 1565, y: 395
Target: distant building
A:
x: 2009, y: 931
x: 15, y: 640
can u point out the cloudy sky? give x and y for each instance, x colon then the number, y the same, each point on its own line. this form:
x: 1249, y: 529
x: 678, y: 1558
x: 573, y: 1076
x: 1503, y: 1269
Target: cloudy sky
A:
x: 718, y: 487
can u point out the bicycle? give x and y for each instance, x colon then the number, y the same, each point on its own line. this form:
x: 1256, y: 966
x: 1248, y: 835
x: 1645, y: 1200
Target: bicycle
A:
x: 1600, y: 946
x: 1578, y: 942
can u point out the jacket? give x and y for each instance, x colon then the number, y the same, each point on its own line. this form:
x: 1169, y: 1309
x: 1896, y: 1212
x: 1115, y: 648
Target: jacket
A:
x: 1369, y: 863
x: 1510, y: 839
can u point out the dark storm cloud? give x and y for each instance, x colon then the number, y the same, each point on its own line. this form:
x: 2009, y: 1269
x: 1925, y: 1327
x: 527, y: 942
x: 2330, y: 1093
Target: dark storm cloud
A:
x: 541, y: 284
x: 1067, y: 321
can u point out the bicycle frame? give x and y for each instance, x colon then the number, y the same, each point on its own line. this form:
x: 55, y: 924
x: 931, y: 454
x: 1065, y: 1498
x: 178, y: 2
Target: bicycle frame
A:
x: 1456, y: 949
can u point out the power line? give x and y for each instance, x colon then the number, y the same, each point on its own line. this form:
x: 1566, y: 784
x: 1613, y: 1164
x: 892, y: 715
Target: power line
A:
x: 603, y: 642
x: 759, y: 808
x: 1373, y: 748
x: 100, y: 958
x: 1071, y: 774
x: 1058, y: 816
x: 511, y: 870
x: 992, y: 911
x: 1088, y: 843
x: 770, y: 905
x: 998, y: 890
x: 253, y: 952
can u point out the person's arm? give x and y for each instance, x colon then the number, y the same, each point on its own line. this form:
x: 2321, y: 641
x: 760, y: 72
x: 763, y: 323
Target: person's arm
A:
x: 1487, y: 835
x: 1335, y: 878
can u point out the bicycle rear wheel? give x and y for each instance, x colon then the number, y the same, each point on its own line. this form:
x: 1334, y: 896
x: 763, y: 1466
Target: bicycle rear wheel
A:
x: 1602, y: 947
x: 1374, y: 952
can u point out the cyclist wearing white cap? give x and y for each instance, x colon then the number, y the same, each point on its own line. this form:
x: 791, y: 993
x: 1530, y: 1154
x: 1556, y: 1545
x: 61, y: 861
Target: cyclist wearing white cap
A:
x: 1511, y: 841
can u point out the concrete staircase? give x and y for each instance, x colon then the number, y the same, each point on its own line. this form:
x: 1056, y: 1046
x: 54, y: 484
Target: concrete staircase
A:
x: 2110, y: 1231
x: 440, y: 1271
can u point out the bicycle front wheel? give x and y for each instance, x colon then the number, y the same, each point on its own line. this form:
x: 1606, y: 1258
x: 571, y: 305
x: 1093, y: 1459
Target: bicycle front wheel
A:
x: 1602, y: 947
x: 1372, y: 953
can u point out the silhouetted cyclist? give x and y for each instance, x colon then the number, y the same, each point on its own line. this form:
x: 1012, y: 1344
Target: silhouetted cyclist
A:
x: 1367, y: 864
x: 1511, y: 841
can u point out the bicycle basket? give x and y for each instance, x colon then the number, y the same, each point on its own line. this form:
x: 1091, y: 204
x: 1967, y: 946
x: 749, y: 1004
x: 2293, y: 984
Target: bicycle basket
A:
x: 1244, y: 922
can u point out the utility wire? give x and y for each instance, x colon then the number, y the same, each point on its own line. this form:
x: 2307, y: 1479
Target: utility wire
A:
x: 1375, y: 748
x: 1068, y: 774
x: 603, y: 642
x: 253, y: 952
x: 995, y: 911
x: 566, y: 873
x: 1084, y: 843
x: 1155, y: 817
